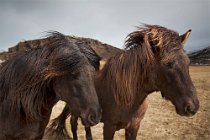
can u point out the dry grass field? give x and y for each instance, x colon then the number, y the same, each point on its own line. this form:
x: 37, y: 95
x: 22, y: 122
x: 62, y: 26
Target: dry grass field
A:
x: 161, y: 120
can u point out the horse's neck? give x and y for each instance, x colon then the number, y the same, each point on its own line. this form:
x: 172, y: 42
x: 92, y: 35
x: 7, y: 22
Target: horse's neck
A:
x: 122, y: 64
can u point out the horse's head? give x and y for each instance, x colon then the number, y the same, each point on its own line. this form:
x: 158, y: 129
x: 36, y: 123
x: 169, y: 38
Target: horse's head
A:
x: 78, y: 91
x: 72, y: 75
x: 172, y: 67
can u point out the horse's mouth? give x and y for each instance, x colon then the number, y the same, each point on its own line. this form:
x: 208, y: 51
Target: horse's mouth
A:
x: 90, y: 119
x: 184, y: 113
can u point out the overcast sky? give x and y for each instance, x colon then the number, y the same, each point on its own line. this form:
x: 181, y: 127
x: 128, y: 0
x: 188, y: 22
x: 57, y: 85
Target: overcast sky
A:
x: 106, y: 20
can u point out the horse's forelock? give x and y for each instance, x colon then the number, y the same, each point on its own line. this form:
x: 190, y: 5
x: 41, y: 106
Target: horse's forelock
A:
x: 158, y: 38
x: 89, y: 52
x: 157, y: 35
x: 91, y: 55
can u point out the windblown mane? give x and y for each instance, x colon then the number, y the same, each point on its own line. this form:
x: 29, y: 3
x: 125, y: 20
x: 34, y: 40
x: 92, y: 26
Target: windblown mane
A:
x: 90, y: 54
x: 157, y: 38
x: 25, y: 79
x: 129, y: 70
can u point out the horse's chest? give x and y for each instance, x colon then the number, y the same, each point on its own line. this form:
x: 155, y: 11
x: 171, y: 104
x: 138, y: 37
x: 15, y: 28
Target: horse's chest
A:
x: 124, y: 120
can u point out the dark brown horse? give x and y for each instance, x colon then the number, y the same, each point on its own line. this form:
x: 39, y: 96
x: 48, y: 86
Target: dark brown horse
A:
x: 154, y: 60
x: 32, y: 82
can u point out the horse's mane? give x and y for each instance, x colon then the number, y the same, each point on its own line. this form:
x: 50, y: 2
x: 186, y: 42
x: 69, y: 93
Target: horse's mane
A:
x: 129, y: 70
x: 25, y: 78
x: 157, y: 38
x: 90, y: 54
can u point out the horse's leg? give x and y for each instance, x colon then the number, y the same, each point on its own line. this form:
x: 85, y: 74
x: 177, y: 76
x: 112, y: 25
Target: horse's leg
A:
x: 88, y: 133
x: 133, y: 126
x: 132, y: 130
x: 74, y: 124
x: 109, y: 131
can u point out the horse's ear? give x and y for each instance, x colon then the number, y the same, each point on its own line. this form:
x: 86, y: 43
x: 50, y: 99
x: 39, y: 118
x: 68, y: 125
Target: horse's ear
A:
x: 185, y: 36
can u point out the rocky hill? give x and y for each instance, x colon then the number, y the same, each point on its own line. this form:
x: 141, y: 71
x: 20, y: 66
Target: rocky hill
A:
x: 104, y: 50
x: 200, y: 57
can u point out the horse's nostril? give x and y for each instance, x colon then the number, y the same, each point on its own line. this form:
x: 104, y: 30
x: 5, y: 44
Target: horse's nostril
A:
x: 92, y: 119
x: 189, y: 109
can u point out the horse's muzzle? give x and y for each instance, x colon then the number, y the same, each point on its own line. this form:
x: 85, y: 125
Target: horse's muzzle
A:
x: 92, y: 118
x: 190, y: 108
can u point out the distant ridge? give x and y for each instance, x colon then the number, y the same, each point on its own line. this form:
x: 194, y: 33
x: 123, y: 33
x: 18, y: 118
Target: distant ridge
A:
x: 102, y: 49
x: 200, y: 57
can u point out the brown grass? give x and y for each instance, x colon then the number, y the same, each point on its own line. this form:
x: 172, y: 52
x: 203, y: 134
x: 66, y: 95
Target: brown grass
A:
x: 161, y: 120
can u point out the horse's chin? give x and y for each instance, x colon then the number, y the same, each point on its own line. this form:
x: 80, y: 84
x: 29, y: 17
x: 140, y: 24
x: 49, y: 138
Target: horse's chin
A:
x: 163, y: 96
x: 182, y: 112
x: 87, y: 123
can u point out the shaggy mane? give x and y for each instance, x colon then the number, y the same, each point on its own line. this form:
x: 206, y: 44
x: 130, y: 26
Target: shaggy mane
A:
x: 25, y: 79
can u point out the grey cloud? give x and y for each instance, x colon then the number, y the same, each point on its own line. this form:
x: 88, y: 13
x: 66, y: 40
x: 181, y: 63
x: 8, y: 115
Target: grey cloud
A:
x: 107, y: 20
